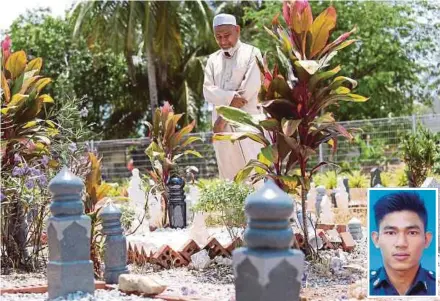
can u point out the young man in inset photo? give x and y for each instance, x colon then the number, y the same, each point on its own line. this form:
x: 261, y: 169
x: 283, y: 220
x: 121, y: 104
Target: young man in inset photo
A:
x: 401, y: 235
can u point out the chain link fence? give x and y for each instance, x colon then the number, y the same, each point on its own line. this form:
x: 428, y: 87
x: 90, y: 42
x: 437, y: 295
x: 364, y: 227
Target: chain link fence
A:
x: 376, y: 143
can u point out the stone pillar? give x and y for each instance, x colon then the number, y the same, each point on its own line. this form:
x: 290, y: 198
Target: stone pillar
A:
x: 320, y: 193
x: 267, y: 269
x: 115, y: 246
x: 347, y: 187
x: 69, y: 268
x: 176, y: 202
x: 375, y: 177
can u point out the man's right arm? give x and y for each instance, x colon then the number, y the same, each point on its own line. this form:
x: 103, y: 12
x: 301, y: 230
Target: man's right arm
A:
x: 213, y: 94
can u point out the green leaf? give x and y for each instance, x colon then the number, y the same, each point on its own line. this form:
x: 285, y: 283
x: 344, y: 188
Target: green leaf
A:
x: 238, y: 117
x: 355, y: 98
x: 316, y: 78
x: 176, y: 137
x: 35, y: 64
x: 325, y: 118
x: 16, y: 63
x: 321, y: 28
x: 270, y: 152
x: 243, y: 174
x: 341, y: 90
x: 309, y: 65
x: 16, y: 100
x: 241, y: 136
x: 154, y: 150
x: 290, y: 126
x: 270, y: 124
x: 280, y: 86
x: 339, y: 80
x: 189, y: 141
x: 46, y: 98
x: 193, y: 152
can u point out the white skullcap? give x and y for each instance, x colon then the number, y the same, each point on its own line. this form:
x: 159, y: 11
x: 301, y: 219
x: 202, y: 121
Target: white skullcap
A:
x: 224, y: 19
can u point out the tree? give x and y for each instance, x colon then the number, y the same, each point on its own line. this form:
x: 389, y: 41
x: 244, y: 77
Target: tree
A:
x: 98, y: 77
x: 386, y: 62
x: 153, y: 29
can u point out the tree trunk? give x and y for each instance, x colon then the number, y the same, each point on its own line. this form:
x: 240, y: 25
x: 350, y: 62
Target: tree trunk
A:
x: 151, y: 73
x: 304, y: 219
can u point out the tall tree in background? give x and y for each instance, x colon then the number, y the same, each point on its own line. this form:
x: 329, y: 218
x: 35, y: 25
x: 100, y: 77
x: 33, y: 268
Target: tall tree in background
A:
x: 153, y: 29
x: 98, y: 77
x: 389, y: 60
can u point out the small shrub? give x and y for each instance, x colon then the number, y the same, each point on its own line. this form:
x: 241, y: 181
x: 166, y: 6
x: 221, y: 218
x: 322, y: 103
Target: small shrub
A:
x: 358, y: 180
x: 328, y: 179
x: 387, y: 179
x: 127, y: 218
x: 227, y: 199
x: 419, y: 151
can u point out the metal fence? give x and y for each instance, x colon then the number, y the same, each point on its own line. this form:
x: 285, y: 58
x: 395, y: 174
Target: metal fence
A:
x: 377, y: 142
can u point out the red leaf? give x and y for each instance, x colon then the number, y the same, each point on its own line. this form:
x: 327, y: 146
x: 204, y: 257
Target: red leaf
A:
x: 286, y: 12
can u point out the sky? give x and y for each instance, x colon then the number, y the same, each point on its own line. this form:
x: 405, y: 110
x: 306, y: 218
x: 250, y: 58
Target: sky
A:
x: 10, y: 10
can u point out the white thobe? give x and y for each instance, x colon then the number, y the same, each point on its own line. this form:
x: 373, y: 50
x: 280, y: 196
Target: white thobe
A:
x: 224, y: 78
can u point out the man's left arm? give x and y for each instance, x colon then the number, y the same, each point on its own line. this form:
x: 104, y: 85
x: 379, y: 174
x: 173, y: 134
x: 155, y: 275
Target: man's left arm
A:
x: 252, y: 82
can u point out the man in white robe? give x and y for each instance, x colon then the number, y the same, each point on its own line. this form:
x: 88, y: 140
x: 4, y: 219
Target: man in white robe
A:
x: 232, y: 78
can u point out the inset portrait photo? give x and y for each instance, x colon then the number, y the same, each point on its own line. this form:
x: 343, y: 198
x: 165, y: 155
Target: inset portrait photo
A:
x: 402, y: 244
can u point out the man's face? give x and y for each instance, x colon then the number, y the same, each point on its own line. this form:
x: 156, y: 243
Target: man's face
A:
x: 401, y: 239
x: 226, y: 35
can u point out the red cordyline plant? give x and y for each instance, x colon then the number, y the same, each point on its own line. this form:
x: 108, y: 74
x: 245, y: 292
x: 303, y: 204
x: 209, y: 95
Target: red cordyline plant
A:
x: 167, y: 145
x: 294, y: 96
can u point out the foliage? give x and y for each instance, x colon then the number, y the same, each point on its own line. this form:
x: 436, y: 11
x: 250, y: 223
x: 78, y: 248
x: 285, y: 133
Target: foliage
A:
x: 167, y: 145
x: 396, y: 49
x: 358, y: 180
x: 25, y: 154
x: 167, y: 36
x: 227, y: 199
x: 373, y: 152
x: 387, y: 179
x: 110, y: 103
x: 24, y: 132
x: 293, y: 97
x: 127, y: 217
x: 327, y: 179
x: 418, y: 150
x: 36, y: 141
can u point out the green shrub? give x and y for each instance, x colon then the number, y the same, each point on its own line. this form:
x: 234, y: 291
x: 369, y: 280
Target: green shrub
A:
x: 328, y: 179
x: 387, y: 179
x: 419, y: 151
x: 225, y: 199
x: 358, y: 180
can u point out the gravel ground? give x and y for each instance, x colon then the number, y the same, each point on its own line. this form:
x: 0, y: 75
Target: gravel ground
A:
x: 320, y: 282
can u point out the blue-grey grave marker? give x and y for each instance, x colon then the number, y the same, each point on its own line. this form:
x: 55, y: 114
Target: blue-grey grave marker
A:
x: 69, y: 268
x: 267, y: 269
x: 115, y: 245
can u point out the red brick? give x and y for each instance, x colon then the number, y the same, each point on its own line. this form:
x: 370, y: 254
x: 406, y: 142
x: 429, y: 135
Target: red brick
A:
x: 167, y: 258
x: 341, y: 228
x: 326, y: 241
x: 348, y: 242
x: 215, y: 249
x: 130, y: 254
x: 144, y: 256
x: 299, y: 239
x: 325, y: 227
x: 236, y: 243
x: 188, y: 249
x: 42, y: 288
